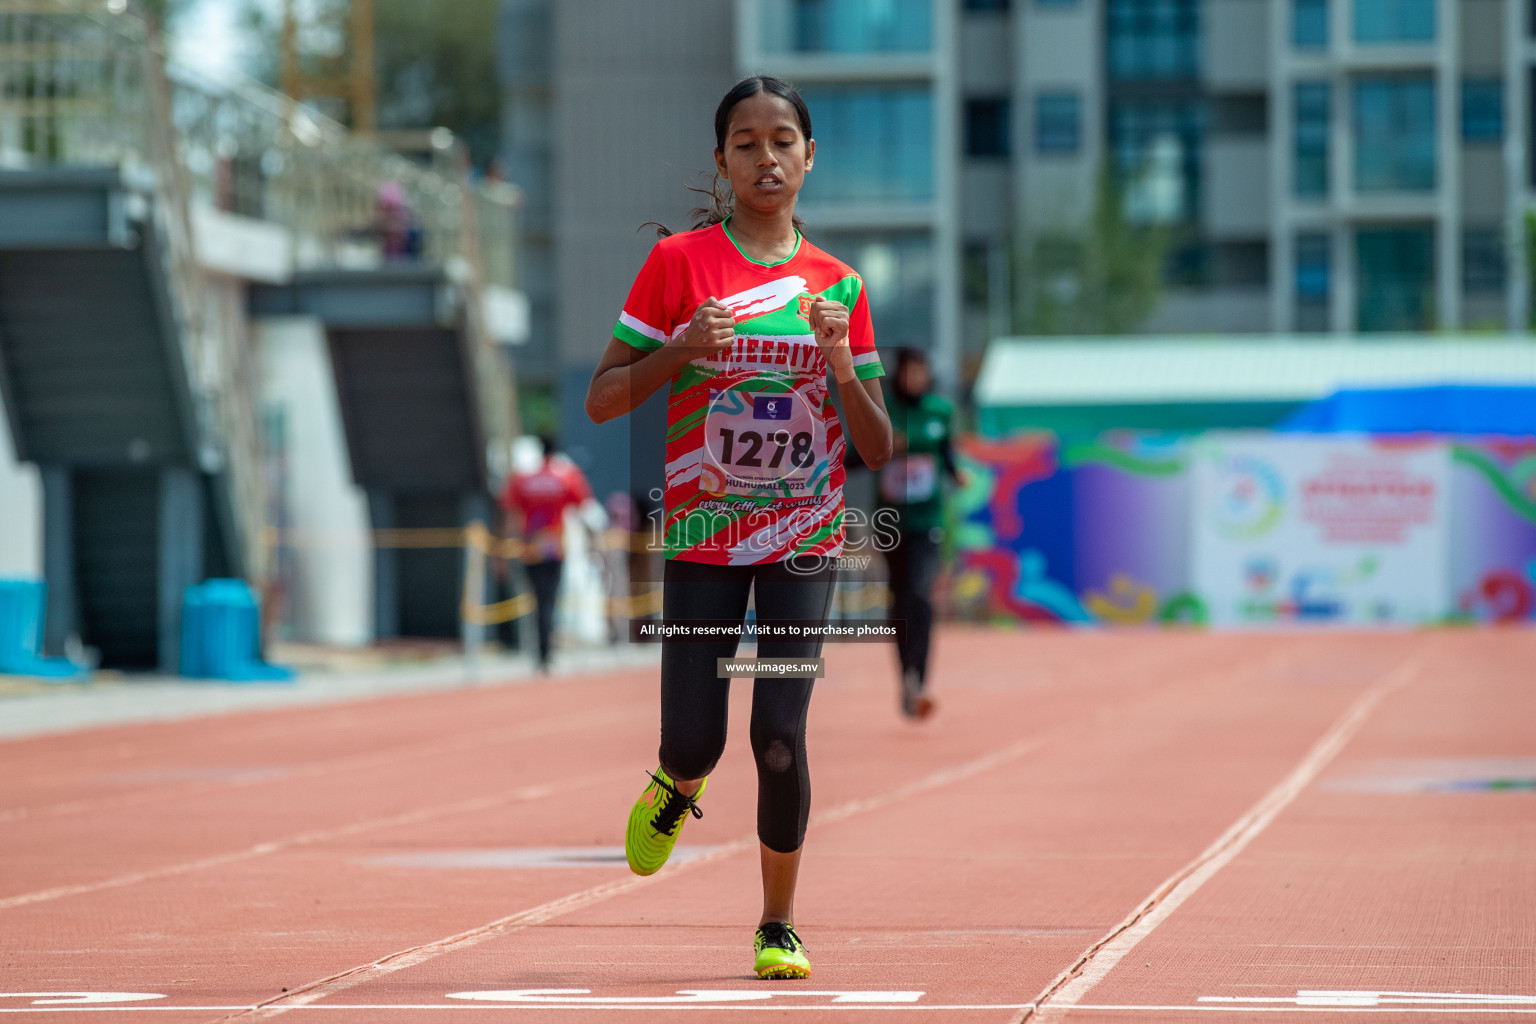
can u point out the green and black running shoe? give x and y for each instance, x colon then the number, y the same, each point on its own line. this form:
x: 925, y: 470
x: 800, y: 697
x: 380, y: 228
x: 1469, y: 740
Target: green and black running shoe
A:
x: 780, y: 953
x: 655, y: 822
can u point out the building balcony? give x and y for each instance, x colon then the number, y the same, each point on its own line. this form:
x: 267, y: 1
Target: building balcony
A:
x: 858, y: 216
x: 1235, y: 199
x: 1237, y: 46
x: 803, y: 69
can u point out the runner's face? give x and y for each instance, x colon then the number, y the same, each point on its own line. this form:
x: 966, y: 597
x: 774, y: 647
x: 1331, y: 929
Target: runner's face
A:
x: 915, y: 378
x: 765, y: 156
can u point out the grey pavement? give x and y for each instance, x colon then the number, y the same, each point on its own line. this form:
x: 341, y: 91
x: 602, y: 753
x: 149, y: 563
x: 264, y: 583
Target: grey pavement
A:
x: 33, y: 708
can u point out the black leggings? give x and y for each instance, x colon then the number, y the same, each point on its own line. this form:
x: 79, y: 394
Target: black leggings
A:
x: 544, y: 578
x: 913, y: 564
x: 694, y: 701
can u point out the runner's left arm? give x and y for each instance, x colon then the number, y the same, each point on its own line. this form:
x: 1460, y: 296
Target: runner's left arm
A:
x: 947, y: 452
x: 868, y: 423
x: 951, y: 464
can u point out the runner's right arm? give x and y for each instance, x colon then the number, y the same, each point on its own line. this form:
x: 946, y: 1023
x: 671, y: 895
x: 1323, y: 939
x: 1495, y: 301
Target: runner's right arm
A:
x: 626, y: 376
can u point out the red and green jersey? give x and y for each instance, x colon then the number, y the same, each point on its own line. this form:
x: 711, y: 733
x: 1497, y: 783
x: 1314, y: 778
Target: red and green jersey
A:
x: 754, y: 447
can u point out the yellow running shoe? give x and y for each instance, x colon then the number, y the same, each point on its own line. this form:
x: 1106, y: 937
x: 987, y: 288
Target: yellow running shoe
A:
x: 780, y: 953
x: 655, y: 822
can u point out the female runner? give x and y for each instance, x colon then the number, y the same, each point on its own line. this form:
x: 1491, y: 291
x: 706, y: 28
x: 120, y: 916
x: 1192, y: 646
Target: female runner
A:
x: 749, y: 324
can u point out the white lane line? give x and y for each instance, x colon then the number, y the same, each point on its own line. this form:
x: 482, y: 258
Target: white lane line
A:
x: 688, y: 996
x: 113, y: 1009
x: 406, y: 958
x: 1069, y: 987
x: 1459, y: 1011
x: 333, y: 766
x: 1372, y: 997
x: 521, y: 795
x: 1209, y: 1008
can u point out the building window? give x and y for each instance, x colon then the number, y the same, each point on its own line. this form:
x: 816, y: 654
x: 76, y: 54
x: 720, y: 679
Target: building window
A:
x: 1482, y: 110
x: 871, y: 145
x: 1396, y: 272
x: 1483, y: 260
x: 986, y: 5
x: 1237, y: 116
x: 1058, y: 123
x: 1239, y: 264
x: 1309, y: 24
x: 847, y: 26
x: 1314, y: 281
x: 1153, y: 39
x: 976, y: 273
x: 899, y: 272
x: 1395, y: 134
x: 1157, y: 147
x: 1530, y: 97
x: 986, y: 126
x: 1394, y: 21
x: 1313, y: 102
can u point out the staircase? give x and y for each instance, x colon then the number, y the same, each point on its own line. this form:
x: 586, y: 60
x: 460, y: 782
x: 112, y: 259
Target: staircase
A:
x: 126, y: 369
x: 117, y: 383
x: 95, y: 373
x: 419, y: 429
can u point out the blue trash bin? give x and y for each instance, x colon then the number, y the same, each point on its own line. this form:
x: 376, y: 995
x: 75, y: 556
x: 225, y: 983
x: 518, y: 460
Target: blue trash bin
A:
x: 220, y: 634
x: 21, y: 632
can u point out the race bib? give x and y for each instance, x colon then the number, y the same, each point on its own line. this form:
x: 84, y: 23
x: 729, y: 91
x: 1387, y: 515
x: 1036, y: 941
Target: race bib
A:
x: 762, y: 444
x: 909, y: 479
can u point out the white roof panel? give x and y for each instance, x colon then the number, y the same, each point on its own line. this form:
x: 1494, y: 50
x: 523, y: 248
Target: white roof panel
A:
x: 1098, y: 371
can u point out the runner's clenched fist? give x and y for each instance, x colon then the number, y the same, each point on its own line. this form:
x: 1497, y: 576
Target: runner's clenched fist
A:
x: 712, y: 328
x: 829, y: 319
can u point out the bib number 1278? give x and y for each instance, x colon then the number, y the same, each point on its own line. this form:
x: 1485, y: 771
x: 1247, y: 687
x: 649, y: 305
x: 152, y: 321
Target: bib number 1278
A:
x: 761, y: 443
x: 747, y: 448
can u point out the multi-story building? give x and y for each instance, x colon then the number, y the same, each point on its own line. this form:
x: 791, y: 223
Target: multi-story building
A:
x: 1317, y: 165
x: 609, y: 106
x: 1343, y: 165
x: 1406, y: 210
x: 883, y: 84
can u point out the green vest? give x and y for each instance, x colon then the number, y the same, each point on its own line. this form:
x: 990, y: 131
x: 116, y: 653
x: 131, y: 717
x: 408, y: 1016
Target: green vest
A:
x: 913, y: 484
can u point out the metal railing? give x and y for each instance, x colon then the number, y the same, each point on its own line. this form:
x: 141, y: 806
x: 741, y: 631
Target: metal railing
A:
x: 73, y: 90
x: 83, y: 83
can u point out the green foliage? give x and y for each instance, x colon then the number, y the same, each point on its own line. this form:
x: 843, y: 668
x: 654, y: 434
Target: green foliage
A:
x: 321, y: 40
x: 538, y: 408
x: 164, y: 13
x: 1530, y: 249
x: 435, y: 61
x: 437, y: 66
x: 1105, y: 278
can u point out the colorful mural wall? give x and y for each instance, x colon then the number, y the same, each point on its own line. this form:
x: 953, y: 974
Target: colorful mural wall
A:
x: 1492, y: 536
x: 1105, y: 531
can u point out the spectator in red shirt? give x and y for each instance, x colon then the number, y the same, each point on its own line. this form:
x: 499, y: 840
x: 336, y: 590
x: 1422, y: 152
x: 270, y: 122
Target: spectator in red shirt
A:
x: 534, y: 505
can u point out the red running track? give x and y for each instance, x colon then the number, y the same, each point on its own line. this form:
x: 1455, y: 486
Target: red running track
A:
x: 1096, y: 827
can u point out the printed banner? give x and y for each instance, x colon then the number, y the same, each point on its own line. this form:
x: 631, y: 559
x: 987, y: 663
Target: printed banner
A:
x: 1245, y: 529
x: 1296, y: 529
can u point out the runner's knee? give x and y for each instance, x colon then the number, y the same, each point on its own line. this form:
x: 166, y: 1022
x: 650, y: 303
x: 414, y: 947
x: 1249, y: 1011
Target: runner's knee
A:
x: 776, y: 746
x: 783, y: 788
x: 691, y: 757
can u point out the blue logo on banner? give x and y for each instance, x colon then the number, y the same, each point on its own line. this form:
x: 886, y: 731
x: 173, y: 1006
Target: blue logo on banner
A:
x: 771, y: 407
